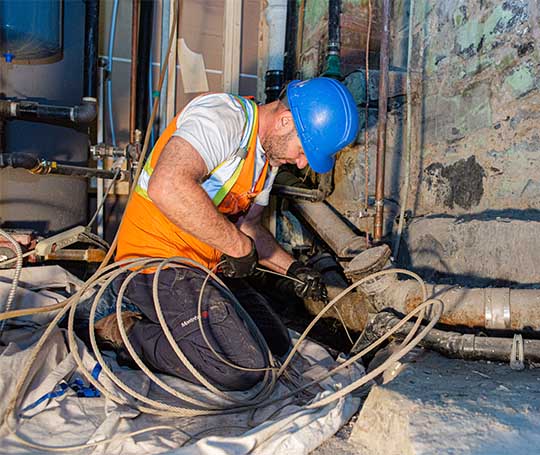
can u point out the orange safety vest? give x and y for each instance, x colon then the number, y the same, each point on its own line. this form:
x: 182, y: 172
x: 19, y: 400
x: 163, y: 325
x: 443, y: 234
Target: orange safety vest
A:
x: 146, y: 231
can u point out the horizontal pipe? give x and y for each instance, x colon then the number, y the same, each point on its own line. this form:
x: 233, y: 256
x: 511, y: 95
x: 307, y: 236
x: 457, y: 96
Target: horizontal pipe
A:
x: 19, y: 160
x: 51, y: 167
x: 331, y: 228
x: 502, y: 309
x: 295, y: 192
x: 28, y: 110
x: 87, y: 255
x: 38, y: 166
x: 453, y: 344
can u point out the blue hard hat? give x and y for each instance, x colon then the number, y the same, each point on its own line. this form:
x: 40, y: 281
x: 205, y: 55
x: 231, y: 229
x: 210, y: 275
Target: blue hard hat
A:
x: 326, y: 118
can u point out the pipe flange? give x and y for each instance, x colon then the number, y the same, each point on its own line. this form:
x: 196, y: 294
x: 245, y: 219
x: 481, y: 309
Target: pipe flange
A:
x: 367, y: 262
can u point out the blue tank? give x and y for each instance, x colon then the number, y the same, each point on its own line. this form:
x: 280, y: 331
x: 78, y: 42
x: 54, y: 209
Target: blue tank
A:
x: 30, y: 30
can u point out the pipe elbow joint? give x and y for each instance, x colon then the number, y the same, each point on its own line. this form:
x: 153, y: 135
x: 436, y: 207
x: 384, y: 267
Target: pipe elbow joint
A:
x: 86, y: 112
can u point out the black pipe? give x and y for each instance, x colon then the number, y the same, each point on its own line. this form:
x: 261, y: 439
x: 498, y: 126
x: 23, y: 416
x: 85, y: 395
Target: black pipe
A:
x: 451, y: 344
x: 289, y: 59
x: 334, y: 10
x: 29, y: 110
x: 91, y: 47
x: 294, y: 192
x: 333, y: 48
x: 143, y: 66
x: 2, y: 135
x: 21, y: 160
x: 273, y: 85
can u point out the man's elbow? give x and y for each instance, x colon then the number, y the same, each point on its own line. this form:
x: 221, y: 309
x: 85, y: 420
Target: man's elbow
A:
x: 155, y: 191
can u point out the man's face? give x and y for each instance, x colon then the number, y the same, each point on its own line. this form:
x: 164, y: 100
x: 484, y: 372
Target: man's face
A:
x: 283, y: 149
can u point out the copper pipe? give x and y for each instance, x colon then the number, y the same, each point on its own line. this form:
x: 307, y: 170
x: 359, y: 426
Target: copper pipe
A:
x: 381, y: 124
x: 300, y: 34
x: 136, y: 10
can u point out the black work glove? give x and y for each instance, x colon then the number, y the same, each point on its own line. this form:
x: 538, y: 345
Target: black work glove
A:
x: 311, y: 286
x: 240, y: 267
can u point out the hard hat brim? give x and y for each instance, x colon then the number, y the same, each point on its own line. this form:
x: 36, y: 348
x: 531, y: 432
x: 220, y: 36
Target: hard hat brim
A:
x: 320, y: 164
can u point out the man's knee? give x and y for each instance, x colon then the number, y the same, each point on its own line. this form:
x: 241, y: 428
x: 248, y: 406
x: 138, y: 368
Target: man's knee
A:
x: 242, y: 380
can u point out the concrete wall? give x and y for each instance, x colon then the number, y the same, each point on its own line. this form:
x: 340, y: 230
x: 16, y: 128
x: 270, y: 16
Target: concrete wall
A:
x: 475, y: 146
x: 475, y: 78
x: 478, y: 147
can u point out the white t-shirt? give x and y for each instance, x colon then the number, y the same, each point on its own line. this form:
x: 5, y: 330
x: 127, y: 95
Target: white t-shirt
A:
x: 214, y: 124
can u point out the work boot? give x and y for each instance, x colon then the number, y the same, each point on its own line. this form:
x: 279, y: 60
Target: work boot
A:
x: 108, y: 333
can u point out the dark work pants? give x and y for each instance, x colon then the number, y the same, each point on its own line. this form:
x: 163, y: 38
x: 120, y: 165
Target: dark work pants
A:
x: 179, y: 290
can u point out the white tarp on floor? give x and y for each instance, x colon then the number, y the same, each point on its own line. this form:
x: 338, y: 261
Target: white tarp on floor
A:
x: 52, y: 414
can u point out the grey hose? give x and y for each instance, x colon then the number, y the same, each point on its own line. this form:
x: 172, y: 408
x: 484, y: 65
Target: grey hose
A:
x: 408, y: 145
x: 16, y: 276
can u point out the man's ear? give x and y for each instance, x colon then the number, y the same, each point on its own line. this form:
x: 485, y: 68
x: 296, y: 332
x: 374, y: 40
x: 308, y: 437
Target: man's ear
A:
x: 286, y: 122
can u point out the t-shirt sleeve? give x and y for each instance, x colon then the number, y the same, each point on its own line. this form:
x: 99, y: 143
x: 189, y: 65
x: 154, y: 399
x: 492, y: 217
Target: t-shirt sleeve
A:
x: 213, y: 125
x: 263, y: 198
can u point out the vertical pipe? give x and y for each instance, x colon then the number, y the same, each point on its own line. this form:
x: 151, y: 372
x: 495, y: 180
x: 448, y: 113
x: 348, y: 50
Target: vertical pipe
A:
x: 408, y: 139
x: 165, y: 30
x: 143, y: 63
x: 91, y: 47
x: 2, y: 135
x: 136, y: 7
x: 289, y: 60
x: 174, y: 19
x: 332, y: 53
x: 112, y: 34
x: 276, y: 18
x: 300, y: 35
x: 99, y: 164
x: 232, y: 42
x: 381, y: 124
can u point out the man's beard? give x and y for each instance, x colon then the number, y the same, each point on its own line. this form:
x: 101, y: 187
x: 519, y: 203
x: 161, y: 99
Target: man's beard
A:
x: 276, y: 146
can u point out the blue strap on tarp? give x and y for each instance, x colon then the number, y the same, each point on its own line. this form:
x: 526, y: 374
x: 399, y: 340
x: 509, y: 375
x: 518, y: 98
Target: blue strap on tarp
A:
x: 77, y: 385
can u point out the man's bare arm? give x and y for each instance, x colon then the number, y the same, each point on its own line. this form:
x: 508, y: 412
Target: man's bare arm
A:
x: 175, y: 188
x: 271, y: 254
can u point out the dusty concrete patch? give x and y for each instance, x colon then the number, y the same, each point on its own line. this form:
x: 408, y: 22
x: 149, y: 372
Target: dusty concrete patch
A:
x: 495, y: 248
x: 437, y: 405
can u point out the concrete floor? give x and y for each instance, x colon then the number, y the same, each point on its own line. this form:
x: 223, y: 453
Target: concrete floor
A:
x: 439, y: 405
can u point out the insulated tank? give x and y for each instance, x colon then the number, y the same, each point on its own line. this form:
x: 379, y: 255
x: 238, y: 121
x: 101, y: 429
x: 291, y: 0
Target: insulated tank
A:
x: 46, y: 203
x: 31, y: 30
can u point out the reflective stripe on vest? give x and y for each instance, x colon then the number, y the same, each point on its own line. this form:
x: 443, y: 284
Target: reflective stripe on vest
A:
x: 224, y: 176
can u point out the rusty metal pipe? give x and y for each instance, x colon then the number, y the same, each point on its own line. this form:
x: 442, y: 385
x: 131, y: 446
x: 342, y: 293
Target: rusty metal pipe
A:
x: 451, y: 344
x: 352, y: 309
x: 501, y: 309
x: 381, y: 124
x: 135, y: 14
x: 332, y: 229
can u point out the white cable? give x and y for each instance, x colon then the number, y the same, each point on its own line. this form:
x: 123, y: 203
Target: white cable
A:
x: 102, y: 203
x: 109, y: 273
x: 16, y: 275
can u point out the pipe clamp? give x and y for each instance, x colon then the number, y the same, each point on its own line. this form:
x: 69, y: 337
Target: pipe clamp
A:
x: 468, y: 349
x: 497, y: 308
x: 517, y: 356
